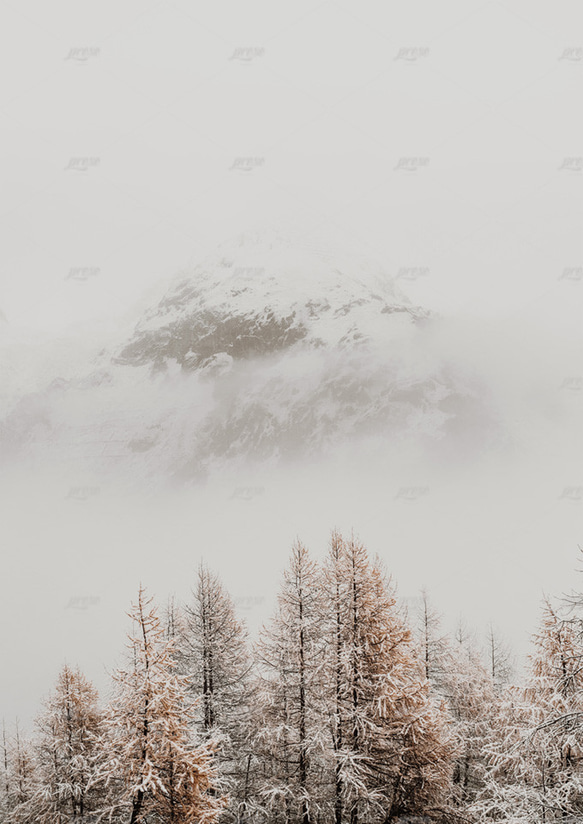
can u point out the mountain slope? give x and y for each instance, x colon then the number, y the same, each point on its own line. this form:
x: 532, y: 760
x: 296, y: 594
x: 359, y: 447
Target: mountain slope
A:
x: 267, y: 351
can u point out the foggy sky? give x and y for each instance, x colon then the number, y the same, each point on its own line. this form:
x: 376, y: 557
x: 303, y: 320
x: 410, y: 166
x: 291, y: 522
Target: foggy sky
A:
x: 442, y: 137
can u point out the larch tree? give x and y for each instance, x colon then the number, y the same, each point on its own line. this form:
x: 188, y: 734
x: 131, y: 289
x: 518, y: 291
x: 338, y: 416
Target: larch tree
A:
x: 458, y: 677
x: 434, y: 645
x: 174, y: 622
x: 67, y: 753
x: 292, y: 730
x: 334, y: 586
x: 4, y: 775
x: 155, y: 772
x: 20, y: 777
x: 536, y: 756
x: 470, y: 696
x: 499, y: 659
x: 216, y: 661
x: 392, y: 742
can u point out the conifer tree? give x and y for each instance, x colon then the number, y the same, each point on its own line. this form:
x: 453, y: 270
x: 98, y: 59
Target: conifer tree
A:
x: 67, y: 753
x: 395, y: 753
x: 536, y: 770
x: 435, y: 647
x: 457, y: 674
x: 155, y: 772
x: 216, y: 661
x: 499, y: 659
x: 20, y: 777
x: 4, y: 775
x: 335, y: 595
x: 292, y: 733
x: 469, y: 693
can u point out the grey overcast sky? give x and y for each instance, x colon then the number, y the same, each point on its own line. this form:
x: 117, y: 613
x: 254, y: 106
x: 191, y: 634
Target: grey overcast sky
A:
x: 443, y: 136
x: 438, y: 135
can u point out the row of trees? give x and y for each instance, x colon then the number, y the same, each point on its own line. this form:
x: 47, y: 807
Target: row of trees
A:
x: 341, y: 713
x: 134, y: 761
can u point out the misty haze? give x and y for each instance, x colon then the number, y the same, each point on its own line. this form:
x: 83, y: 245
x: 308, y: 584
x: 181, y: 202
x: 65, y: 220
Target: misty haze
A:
x: 291, y: 391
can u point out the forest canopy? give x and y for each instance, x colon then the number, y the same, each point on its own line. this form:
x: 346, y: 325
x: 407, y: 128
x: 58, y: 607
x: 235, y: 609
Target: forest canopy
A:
x: 347, y: 709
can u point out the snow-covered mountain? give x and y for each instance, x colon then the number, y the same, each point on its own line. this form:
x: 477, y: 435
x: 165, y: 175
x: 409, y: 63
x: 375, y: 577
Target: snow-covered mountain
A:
x: 269, y: 350
x: 258, y: 299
